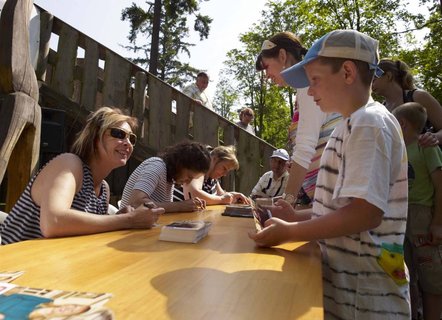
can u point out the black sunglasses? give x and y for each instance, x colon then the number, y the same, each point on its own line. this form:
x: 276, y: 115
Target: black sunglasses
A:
x: 121, y: 134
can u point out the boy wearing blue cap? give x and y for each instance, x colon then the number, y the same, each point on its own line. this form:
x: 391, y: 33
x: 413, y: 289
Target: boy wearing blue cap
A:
x: 360, y: 204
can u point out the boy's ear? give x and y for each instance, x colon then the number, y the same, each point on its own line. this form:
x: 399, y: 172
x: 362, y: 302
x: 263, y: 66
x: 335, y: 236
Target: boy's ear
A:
x: 403, y: 123
x: 350, y: 71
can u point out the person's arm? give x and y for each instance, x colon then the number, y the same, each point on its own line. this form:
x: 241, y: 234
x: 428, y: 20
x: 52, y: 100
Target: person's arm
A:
x: 139, y: 197
x: 195, y: 188
x: 311, y: 119
x: 356, y: 217
x: 436, y: 223
x: 256, y: 191
x: 434, y: 112
x: 54, y: 190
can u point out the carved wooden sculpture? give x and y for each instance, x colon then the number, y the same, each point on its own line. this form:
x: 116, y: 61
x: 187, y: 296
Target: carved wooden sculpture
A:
x: 20, y: 114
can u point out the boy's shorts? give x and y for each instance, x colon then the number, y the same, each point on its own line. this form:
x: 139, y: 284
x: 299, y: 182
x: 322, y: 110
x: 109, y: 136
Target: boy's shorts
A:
x: 426, y: 259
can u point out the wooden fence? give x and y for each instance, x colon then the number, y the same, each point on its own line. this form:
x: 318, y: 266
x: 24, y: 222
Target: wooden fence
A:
x: 80, y: 75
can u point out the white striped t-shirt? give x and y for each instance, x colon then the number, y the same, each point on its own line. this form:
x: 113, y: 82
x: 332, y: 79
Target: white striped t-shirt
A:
x: 149, y: 177
x: 365, y: 158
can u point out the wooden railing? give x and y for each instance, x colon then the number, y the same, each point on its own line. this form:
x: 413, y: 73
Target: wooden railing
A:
x: 81, y: 75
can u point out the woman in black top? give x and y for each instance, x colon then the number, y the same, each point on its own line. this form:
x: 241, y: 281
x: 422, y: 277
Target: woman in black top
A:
x: 396, y: 85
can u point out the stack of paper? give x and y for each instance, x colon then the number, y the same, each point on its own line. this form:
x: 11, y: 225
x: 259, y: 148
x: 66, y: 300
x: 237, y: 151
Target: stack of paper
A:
x: 190, y: 231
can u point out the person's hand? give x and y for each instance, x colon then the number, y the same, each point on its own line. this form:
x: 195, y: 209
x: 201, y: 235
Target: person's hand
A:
x: 194, y: 204
x: 276, y: 232
x: 145, y: 216
x: 436, y: 234
x: 226, y: 198
x: 283, y: 210
x: 125, y: 209
x: 239, y: 198
x: 428, y: 139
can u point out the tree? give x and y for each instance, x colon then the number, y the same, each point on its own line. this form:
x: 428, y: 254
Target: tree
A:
x: 225, y: 97
x: 427, y: 61
x: 171, y: 28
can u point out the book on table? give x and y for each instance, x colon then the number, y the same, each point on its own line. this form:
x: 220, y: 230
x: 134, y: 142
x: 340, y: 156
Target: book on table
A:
x: 190, y: 231
x: 238, y: 210
x: 20, y: 302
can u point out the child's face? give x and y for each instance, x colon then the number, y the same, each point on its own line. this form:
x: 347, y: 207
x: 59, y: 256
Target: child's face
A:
x: 326, y: 87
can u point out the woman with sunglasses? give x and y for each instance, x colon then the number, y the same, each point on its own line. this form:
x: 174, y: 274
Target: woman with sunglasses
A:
x: 310, y: 128
x: 396, y: 85
x: 207, y: 187
x: 154, y: 179
x: 69, y: 195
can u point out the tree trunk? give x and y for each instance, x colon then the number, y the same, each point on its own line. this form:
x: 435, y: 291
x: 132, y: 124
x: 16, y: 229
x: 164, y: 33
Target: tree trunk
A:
x: 154, y: 46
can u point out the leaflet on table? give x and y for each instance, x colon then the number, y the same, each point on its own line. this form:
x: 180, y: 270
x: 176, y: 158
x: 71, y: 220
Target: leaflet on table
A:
x: 18, y: 302
x: 8, y: 276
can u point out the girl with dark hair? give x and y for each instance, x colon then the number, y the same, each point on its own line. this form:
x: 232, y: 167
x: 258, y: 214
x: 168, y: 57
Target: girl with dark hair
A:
x: 310, y: 127
x: 154, y: 179
x: 396, y: 85
x: 69, y: 195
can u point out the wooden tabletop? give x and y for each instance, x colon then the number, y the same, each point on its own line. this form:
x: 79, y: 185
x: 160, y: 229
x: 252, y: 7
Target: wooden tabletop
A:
x: 224, y: 276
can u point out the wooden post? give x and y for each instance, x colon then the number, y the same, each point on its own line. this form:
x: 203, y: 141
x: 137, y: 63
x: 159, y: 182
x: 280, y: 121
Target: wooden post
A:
x: 20, y: 114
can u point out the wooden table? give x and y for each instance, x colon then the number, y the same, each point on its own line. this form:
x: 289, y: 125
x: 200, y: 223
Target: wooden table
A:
x: 224, y: 276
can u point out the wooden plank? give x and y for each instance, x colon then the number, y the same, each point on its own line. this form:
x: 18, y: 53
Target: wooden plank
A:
x: 46, y: 20
x: 183, y: 106
x: 116, y: 81
x: 160, y: 97
x: 205, y: 125
x: 249, y: 157
x: 90, y: 74
x: 16, y: 71
x: 63, y: 79
x: 140, y: 100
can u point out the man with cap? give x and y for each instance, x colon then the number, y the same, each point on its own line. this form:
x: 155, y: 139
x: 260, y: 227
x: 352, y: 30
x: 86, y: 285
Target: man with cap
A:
x: 360, y: 205
x: 273, y: 183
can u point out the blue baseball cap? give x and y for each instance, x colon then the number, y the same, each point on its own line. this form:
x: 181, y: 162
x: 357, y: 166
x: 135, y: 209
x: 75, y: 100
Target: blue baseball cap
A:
x: 347, y: 44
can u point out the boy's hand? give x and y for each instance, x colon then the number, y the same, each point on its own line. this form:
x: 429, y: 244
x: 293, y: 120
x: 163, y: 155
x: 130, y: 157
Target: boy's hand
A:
x: 283, y: 210
x: 436, y: 234
x: 275, y: 232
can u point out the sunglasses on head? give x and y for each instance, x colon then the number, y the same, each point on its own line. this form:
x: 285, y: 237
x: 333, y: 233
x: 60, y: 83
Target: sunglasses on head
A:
x: 122, y: 134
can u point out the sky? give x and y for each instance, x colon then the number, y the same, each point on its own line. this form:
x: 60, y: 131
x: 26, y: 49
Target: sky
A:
x: 101, y: 20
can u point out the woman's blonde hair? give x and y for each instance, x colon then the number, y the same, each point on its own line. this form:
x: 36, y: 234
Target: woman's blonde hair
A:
x: 400, y: 72
x: 226, y: 153
x: 96, y: 124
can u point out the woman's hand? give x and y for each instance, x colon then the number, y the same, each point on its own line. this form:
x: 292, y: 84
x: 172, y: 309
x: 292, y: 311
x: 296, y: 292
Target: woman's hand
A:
x: 227, y: 198
x: 239, y: 198
x: 428, y: 139
x: 143, y: 217
x: 194, y: 204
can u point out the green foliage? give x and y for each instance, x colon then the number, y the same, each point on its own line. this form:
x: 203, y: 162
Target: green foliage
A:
x: 427, y: 62
x: 225, y: 98
x: 173, y: 29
